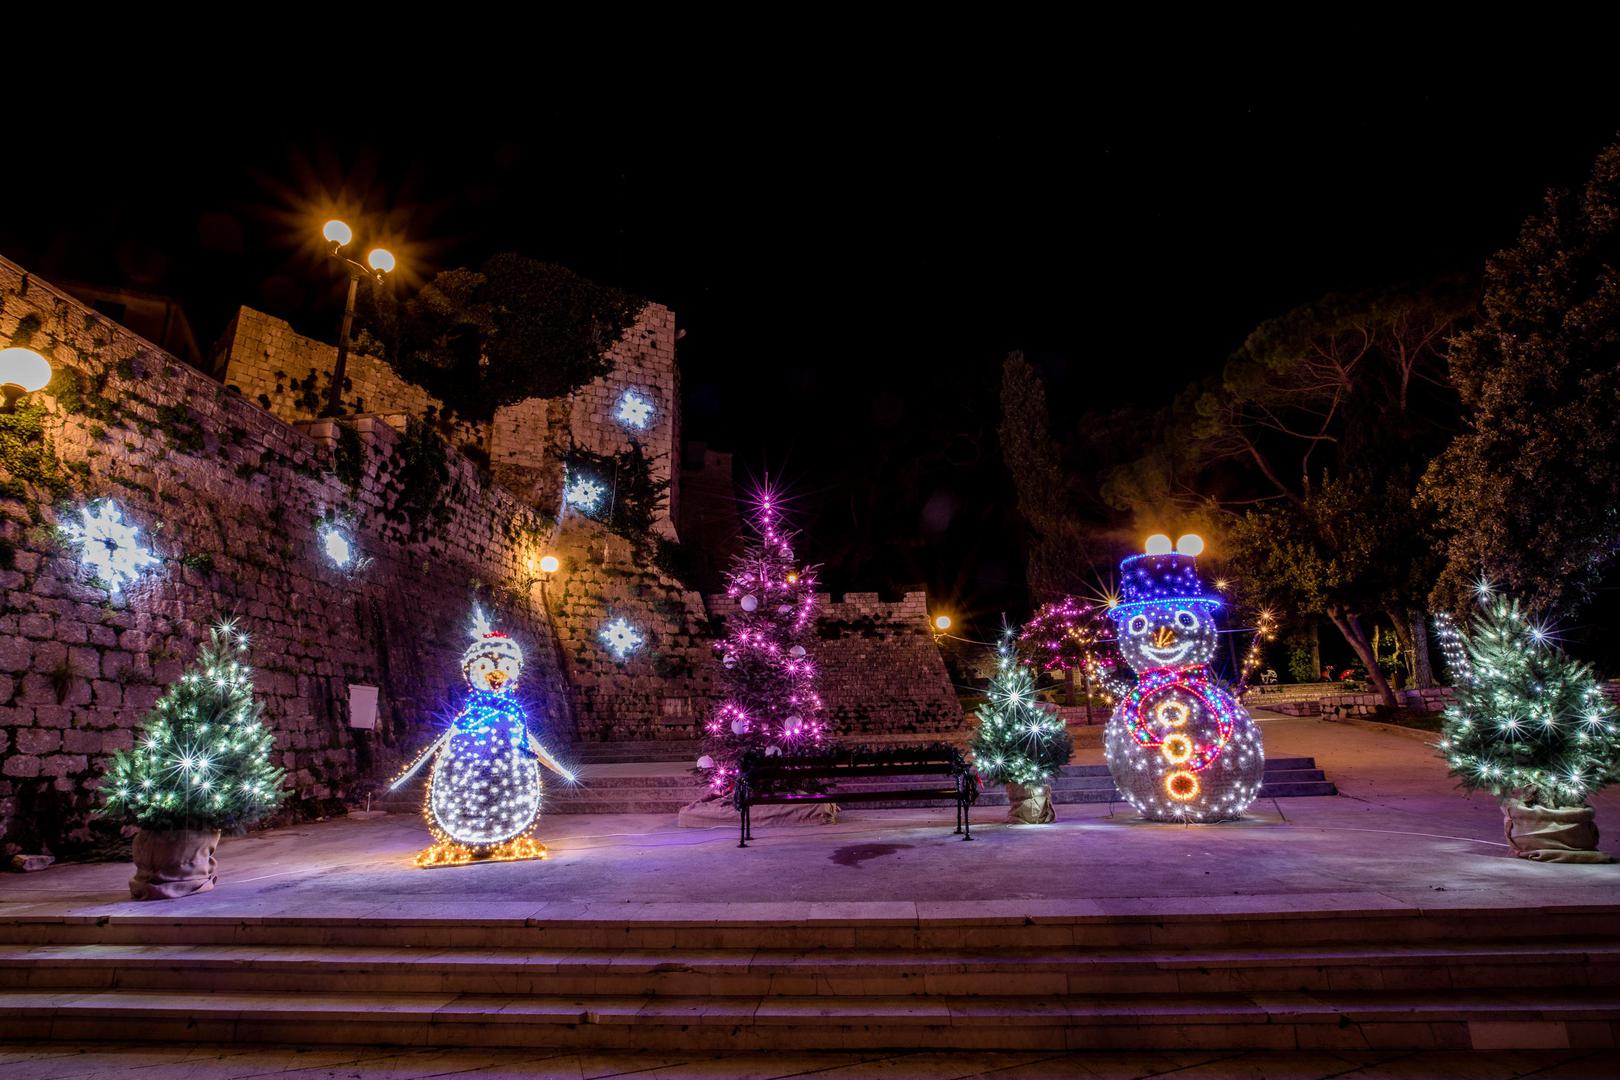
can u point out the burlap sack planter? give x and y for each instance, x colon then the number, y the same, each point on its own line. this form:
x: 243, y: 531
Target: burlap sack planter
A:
x: 1030, y: 805
x: 1552, y: 834
x: 172, y: 863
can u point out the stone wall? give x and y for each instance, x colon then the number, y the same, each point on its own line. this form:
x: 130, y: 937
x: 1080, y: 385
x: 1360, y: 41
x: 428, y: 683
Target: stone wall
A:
x: 526, y: 442
x: 228, y: 496
x: 881, y: 673
x: 1432, y: 700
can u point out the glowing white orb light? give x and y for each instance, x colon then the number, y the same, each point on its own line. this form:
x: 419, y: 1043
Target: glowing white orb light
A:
x: 109, y: 547
x: 1190, y: 544
x: 549, y: 564
x: 621, y: 638
x: 338, y: 547
x: 634, y: 411
x: 1158, y: 544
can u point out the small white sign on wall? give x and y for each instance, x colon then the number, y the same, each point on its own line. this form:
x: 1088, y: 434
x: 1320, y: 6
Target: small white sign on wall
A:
x: 363, y: 707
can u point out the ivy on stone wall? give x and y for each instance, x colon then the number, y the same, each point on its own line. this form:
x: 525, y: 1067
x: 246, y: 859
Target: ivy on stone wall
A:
x: 516, y: 328
x: 420, y: 467
x: 638, y: 494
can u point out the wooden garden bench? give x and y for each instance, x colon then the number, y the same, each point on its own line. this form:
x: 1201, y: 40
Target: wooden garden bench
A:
x: 812, y: 778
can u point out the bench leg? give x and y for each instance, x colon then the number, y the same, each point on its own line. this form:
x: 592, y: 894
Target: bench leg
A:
x: 958, y: 830
x: 742, y: 828
x: 967, y: 822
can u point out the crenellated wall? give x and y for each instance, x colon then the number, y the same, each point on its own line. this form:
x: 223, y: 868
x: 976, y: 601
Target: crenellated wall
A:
x: 881, y: 672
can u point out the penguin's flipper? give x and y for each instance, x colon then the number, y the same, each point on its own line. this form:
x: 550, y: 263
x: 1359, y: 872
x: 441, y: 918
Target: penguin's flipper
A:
x: 420, y: 761
x: 548, y: 761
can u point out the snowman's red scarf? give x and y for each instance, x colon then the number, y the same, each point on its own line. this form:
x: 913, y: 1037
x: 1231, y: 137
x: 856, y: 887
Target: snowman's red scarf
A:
x: 1195, y: 680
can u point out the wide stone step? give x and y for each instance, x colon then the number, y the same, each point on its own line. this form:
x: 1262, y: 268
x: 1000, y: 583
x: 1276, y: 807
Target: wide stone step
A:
x: 807, y: 926
x: 830, y: 972
x: 1284, y: 1021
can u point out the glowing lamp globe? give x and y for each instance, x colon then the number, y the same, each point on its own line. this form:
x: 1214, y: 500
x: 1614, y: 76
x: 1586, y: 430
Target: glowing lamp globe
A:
x: 337, y: 232
x: 942, y: 622
x: 1191, y: 544
x: 549, y: 564
x: 22, y: 371
x: 1158, y: 544
x: 381, y: 260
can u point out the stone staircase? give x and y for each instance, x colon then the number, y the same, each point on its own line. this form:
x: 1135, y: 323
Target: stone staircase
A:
x: 663, y: 790
x: 1336, y: 980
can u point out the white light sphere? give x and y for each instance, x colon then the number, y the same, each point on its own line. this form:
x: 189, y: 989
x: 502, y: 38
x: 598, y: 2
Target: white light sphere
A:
x: 1190, y: 544
x: 773, y: 751
x: 785, y: 609
x: 25, y: 368
x: 1158, y: 544
x: 337, y: 232
x: 705, y: 762
x: 797, y: 652
x: 749, y: 603
x: 739, y: 727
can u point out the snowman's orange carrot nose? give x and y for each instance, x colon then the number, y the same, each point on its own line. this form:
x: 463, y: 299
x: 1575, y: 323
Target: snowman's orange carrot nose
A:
x: 1163, y: 637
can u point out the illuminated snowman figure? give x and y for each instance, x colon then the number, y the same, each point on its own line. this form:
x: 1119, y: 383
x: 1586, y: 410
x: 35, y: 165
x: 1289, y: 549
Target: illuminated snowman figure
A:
x: 484, y: 791
x: 1180, y: 747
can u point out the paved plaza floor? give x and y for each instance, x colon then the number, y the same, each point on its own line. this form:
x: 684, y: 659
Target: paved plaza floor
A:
x: 1398, y: 836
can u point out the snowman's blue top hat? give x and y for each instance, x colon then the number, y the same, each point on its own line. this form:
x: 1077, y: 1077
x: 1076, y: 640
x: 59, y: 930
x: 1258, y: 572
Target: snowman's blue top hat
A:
x: 1162, y: 576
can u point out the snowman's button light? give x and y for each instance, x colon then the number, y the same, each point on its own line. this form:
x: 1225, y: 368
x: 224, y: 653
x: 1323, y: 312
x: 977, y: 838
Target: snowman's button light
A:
x: 1190, y: 544
x: 1158, y: 544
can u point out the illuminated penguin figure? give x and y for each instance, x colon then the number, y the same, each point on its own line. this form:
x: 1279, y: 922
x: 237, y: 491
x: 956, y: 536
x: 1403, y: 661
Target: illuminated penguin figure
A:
x: 484, y: 791
x: 1180, y: 747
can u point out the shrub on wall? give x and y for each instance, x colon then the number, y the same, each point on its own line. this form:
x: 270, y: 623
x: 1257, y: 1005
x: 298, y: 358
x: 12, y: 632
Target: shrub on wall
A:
x: 514, y: 329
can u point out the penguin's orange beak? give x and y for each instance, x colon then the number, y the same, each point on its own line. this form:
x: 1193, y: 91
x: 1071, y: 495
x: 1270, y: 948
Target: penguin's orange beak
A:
x: 496, y: 678
x: 1163, y: 637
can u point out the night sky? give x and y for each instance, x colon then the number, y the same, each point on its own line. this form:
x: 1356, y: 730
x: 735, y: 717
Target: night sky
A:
x: 849, y: 269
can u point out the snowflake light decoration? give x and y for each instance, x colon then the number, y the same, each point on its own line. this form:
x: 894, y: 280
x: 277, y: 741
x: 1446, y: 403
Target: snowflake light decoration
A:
x: 634, y: 411
x: 583, y: 493
x: 109, y: 547
x: 337, y: 546
x: 621, y: 638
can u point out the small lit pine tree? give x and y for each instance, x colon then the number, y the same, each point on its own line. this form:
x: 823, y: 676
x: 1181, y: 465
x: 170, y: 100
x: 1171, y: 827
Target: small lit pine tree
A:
x: 202, y: 757
x: 769, y: 703
x: 1018, y: 742
x: 1528, y: 723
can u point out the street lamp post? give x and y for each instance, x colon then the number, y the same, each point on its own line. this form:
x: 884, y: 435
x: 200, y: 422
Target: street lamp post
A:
x: 379, y: 262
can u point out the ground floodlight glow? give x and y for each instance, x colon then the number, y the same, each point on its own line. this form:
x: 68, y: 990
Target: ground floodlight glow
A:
x: 634, y: 411
x: 337, y: 546
x: 109, y: 547
x: 621, y: 638
x: 1158, y: 544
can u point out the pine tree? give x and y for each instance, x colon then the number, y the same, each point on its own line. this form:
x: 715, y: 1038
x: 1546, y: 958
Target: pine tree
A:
x: 1018, y: 742
x: 1528, y: 722
x: 769, y: 703
x: 202, y: 757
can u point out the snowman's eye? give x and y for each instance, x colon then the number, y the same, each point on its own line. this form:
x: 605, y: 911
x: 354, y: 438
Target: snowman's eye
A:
x: 1138, y: 625
x: 1186, y: 620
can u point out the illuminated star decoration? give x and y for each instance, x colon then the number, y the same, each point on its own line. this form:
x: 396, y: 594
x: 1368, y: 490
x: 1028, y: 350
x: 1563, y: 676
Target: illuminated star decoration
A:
x: 109, y: 547
x: 583, y: 493
x: 621, y: 638
x: 337, y: 546
x: 634, y: 411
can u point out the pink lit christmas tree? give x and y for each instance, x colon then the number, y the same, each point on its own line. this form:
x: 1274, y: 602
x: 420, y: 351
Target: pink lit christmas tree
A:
x: 769, y: 702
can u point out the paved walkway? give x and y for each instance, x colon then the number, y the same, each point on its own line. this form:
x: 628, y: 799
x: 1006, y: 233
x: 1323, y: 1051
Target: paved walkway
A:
x: 1398, y: 837
x: 240, y: 1063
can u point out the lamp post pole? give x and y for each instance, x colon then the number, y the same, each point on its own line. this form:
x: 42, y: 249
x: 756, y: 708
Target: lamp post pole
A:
x: 334, y: 403
x: 378, y: 264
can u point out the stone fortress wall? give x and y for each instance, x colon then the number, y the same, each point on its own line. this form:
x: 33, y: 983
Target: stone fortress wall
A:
x: 228, y: 497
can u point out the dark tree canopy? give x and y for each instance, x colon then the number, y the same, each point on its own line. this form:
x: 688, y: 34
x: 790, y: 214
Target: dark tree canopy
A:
x: 1531, y: 489
x: 516, y: 328
x: 1305, y: 454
